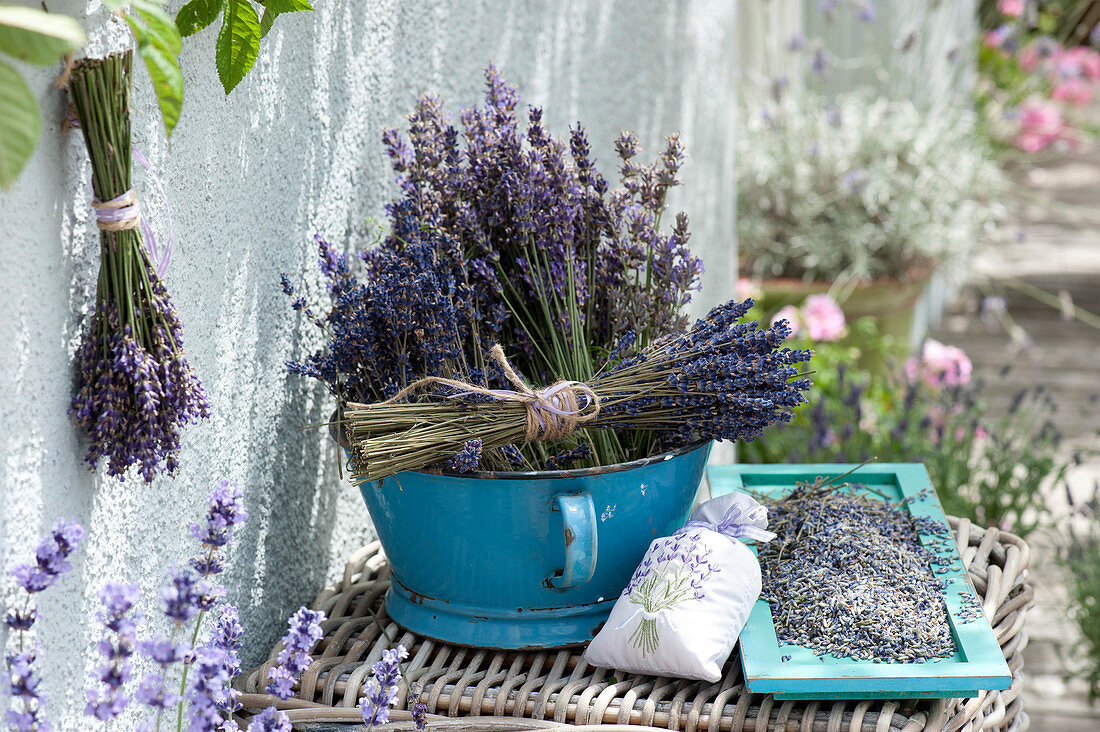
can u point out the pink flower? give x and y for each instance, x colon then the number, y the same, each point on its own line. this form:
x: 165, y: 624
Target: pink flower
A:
x: 790, y: 314
x: 823, y: 318
x: 1078, y: 61
x: 994, y: 38
x: 1039, y: 50
x: 939, y: 365
x: 1011, y: 8
x: 1028, y: 57
x: 1041, y: 125
x: 746, y: 288
x: 1075, y: 91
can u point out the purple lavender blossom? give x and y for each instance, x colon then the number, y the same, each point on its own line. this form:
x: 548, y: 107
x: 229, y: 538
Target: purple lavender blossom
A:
x: 867, y: 11
x: 381, y: 693
x: 303, y: 632
x: 797, y: 41
x: 152, y: 692
x: 135, y: 392
x: 819, y: 60
x: 513, y: 455
x: 566, y: 458
x: 51, y: 557
x: 209, y: 689
x: 19, y: 676
x: 183, y: 595
x: 467, y: 459
x: 212, y: 697
x: 419, y: 711
x: 458, y: 273
x: 269, y: 720
x: 118, y: 600
x: 733, y: 379
x: 22, y: 684
x: 224, y: 510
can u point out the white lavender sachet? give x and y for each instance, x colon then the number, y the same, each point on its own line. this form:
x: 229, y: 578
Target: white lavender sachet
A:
x: 690, y: 597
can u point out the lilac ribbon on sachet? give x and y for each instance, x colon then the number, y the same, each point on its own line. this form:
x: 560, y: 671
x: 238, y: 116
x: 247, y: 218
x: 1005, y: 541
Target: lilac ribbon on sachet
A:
x: 742, y: 520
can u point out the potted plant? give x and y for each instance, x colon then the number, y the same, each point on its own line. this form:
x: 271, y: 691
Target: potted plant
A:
x: 863, y: 197
x: 518, y: 296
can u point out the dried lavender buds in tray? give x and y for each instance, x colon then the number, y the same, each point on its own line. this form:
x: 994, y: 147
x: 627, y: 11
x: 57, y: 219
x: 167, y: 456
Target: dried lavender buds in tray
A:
x: 869, y: 596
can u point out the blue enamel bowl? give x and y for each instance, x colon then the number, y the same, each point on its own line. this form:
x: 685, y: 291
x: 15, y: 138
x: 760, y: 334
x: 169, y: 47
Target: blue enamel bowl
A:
x: 524, y: 560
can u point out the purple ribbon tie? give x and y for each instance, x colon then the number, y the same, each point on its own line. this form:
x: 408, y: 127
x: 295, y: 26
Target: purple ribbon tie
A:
x: 737, y: 523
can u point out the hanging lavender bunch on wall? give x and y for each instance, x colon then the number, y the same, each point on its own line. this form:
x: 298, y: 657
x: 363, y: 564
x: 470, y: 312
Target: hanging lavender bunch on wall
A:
x: 135, y: 389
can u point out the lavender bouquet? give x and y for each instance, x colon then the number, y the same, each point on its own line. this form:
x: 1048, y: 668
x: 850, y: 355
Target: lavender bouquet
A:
x: 134, y: 389
x: 504, y: 239
x: 721, y: 380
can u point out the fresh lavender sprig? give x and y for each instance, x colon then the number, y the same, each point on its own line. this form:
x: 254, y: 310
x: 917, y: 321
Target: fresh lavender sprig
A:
x: 303, y: 632
x: 381, y: 693
x: 208, y: 689
x: 20, y: 677
x: 217, y: 699
x: 418, y: 710
x: 270, y: 720
x: 122, y: 622
x: 191, y: 592
x: 22, y: 682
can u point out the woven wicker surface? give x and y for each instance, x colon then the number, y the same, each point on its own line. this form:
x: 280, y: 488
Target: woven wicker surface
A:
x: 527, y: 690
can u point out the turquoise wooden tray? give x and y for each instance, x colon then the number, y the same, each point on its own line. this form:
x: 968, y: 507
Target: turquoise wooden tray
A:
x: 793, y: 672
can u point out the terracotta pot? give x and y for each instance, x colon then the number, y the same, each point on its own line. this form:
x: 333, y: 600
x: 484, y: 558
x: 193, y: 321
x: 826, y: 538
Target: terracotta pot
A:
x: 889, y: 301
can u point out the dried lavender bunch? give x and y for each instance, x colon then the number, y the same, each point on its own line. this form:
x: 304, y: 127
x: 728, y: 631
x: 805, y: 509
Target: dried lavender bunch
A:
x: 721, y: 380
x: 409, y: 319
x: 134, y: 387
x: 508, y: 236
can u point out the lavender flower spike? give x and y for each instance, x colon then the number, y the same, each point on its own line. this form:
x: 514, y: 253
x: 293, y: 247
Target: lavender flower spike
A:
x: 270, y: 720
x: 118, y: 600
x: 209, y: 687
x: 224, y: 510
x: 303, y: 632
x: 22, y: 684
x: 380, y: 695
x: 51, y: 557
x: 19, y: 676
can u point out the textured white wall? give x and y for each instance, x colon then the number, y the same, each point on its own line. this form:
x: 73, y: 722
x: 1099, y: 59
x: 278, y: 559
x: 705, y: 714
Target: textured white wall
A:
x: 295, y: 150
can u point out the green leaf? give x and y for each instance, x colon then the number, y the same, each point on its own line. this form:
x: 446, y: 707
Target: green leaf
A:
x: 197, y: 15
x: 162, y: 29
x: 274, y: 8
x: 238, y: 42
x: 164, y: 70
x: 159, y: 44
x: 20, y: 124
x: 38, y: 37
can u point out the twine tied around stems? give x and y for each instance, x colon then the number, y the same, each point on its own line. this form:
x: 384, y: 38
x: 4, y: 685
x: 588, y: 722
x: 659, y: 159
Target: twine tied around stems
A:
x: 119, y: 214
x: 552, y: 413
